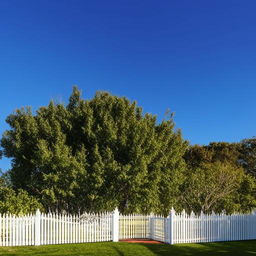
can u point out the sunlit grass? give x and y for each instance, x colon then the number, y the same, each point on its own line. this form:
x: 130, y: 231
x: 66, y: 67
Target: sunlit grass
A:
x: 243, y: 248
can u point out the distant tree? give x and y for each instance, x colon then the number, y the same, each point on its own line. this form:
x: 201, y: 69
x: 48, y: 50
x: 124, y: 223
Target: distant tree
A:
x: 212, y: 187
x: 95, y: 155
x: 248, y: 155
x: 203, y: 159
x: 198, y: 155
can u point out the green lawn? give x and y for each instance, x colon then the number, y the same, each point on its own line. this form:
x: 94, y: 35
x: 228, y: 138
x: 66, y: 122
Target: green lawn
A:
x: 125, y: 249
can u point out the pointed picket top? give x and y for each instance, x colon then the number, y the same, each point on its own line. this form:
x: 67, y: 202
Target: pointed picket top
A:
x: 37, y: 212
x: 192, y: 214
x: 116, y: 211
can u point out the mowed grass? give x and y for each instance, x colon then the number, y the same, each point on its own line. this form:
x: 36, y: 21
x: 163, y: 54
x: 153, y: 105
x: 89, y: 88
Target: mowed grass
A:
x: 126, y: 249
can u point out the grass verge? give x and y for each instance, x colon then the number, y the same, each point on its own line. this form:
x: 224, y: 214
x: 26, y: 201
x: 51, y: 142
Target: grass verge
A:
x: 242, y: 248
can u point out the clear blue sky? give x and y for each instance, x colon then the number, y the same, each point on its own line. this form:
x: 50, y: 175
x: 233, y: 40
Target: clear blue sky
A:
x: 196, y: 58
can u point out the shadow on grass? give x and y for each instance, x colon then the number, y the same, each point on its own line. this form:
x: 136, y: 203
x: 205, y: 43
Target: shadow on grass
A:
x: 244, y: 248
x: 120, y: 253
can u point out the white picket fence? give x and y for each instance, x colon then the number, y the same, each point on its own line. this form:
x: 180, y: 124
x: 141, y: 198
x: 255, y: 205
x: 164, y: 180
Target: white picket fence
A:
x: 213, y: 228
x: 40, y: 229
x: 50, y: 228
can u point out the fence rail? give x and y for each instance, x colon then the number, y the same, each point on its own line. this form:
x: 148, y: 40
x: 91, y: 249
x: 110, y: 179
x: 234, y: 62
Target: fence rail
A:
x: 40, y: 229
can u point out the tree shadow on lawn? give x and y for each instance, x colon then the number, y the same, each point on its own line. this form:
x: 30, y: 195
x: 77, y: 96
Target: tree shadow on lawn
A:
x: 243, y: 248
x: 85, y: 249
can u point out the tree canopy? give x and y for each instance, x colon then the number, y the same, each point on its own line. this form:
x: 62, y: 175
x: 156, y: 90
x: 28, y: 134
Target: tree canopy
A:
x: 216, y: 187
x: 217, y: 180
x: 248, y: 155
x: 197, y: 155
x: 95, y: 155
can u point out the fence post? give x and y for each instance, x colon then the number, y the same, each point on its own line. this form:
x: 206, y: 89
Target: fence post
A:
x: 37, y: 227
x: 171, y: 225
x: 115, y: 226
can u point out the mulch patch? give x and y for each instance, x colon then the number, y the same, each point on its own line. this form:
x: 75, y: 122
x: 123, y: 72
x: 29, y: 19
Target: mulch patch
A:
x: 140, y: 241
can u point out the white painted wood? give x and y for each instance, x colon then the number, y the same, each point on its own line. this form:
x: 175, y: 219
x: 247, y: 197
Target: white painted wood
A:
x: 37, y: 228
x: 176, y: 228
x: 115, y: 227
x: 170, y: 225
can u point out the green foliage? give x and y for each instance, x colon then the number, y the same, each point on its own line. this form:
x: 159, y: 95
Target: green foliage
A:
x: 198, y: 155
x: 216, y: 179
x: 245, y: 196
x: 17, y: 203
x: 248, y: 155
x: 95, y: 155
x: 98, y: 154
x: 213, y: 187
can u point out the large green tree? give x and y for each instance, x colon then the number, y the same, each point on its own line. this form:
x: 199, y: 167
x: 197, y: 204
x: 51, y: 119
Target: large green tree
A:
x: 95, y: 154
